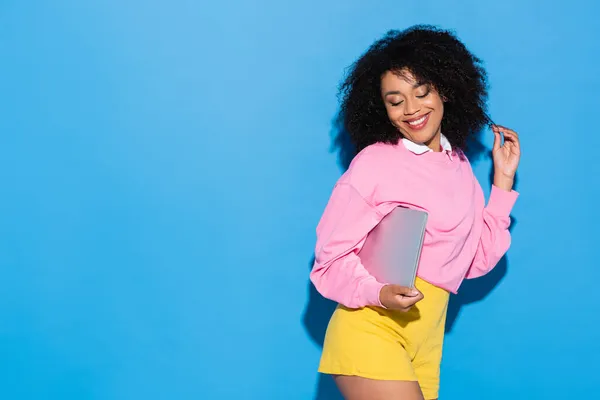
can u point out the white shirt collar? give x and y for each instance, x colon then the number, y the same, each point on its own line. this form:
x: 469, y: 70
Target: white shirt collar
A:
x: 421, y: 148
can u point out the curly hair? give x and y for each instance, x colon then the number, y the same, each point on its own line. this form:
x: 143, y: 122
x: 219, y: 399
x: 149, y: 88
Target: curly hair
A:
x: 435, y: 57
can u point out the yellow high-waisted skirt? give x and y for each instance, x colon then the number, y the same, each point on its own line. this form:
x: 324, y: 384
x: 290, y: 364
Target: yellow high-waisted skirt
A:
x: 376, y: 343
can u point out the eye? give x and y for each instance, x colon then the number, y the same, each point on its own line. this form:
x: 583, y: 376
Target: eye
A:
x: 425, y: 94
x: 396, y: 104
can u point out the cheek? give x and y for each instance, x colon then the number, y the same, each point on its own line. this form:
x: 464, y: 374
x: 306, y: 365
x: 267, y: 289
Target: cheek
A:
x: 438, y: 107
x: 440, y: 112
x: 393, y: 114
x: 434, y: 102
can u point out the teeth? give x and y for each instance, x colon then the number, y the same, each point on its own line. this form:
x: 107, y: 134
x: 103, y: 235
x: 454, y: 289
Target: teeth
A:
x: 417, y: 122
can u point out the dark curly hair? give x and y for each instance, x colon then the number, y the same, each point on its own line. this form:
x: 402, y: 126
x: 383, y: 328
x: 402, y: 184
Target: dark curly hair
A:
x: 434, y: 56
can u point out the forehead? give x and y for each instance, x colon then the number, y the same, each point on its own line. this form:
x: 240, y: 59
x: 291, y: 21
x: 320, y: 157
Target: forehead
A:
x: 398, y: 80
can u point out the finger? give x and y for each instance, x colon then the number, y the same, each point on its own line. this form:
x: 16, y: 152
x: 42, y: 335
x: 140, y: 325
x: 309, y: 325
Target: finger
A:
x: 400, y: 306
x: 404, y: 291
x: 509, y: 132
x: 497, y: 140
x: 512, y: 137
x: 508, y: 137
x: 410, y: 301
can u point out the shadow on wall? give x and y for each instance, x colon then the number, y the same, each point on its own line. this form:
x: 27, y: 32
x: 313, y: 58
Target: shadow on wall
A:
x: 315, y: 319
x: 319, y: 310
x: 474, y: 290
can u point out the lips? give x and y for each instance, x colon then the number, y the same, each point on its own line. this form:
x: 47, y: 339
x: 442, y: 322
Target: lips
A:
x: 418, y: 122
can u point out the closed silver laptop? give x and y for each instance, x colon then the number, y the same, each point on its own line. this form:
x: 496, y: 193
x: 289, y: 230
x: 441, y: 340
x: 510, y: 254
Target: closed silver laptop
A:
x: 392, y: 249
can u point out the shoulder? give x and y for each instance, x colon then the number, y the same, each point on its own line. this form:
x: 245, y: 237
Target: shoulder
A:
x: 463, y: 159
x: 370, y: 167
x: 468, y: 171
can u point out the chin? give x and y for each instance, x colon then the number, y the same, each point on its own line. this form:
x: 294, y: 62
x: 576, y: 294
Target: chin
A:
x: 420, y: 137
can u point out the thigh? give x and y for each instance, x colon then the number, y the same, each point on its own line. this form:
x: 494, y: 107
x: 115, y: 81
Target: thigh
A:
x: 359, y: 388
x: 428, y: 375
x: 428, y: 356
x: 427, y: 361
x: 365, y: 343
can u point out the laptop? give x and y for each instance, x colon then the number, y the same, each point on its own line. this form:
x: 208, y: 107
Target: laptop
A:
x: 392, y: 249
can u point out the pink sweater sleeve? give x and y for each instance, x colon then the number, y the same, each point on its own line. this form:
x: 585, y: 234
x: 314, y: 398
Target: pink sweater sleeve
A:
x: 495, y: 237
x: 337, y: 272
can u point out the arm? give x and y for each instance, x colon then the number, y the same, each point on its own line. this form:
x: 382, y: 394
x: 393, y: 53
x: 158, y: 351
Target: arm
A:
x: 337, y: 272
x: 495, y: 236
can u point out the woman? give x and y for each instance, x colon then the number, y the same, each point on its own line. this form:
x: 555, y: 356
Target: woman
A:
x: 410, y: 104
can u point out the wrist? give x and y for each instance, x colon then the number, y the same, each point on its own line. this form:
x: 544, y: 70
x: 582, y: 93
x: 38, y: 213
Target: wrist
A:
x: 504, y: 182
x: 381, y: 296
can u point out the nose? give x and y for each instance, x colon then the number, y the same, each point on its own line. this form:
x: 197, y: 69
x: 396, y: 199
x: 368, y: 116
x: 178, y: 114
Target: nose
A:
x: 412, y: 106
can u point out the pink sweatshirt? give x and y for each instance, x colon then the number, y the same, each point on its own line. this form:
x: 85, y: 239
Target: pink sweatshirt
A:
x: 464, y: 238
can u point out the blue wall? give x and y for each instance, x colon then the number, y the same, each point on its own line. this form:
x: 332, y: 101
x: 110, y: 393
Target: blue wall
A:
x: 163, y: 165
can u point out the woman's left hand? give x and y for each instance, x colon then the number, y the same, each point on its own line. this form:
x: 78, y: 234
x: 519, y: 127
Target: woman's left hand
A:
x: 506, y: 156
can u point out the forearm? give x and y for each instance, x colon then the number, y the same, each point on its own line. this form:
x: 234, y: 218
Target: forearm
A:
x: 495, y: 237
x: 504, y: 182
x: 338, y: 273
x: 347, y: 282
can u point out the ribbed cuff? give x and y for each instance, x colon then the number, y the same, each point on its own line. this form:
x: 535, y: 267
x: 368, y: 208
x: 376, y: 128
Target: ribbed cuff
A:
x: 501, y: 201
x: 371, y: 291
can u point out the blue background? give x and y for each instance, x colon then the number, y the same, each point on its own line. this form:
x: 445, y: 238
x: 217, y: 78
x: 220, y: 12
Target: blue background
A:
x: 163, y: 166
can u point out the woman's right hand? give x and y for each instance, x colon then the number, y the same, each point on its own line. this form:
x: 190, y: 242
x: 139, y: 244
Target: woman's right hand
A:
x: 401, y: 298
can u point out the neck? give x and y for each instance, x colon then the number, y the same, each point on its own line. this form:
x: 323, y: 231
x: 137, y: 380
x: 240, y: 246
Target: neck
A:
x: 435, y: 143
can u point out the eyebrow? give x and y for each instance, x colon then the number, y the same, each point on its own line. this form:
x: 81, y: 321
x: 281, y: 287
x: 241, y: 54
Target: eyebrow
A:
x: 416, y: 85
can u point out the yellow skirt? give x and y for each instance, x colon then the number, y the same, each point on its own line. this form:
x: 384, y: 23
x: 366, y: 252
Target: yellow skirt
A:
x: 376, y: 343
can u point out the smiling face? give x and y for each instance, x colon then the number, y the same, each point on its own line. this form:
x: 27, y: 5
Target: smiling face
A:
x: 414, y: 108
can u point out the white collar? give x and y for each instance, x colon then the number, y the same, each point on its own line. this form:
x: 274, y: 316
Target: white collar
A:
x: 421, y: 148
